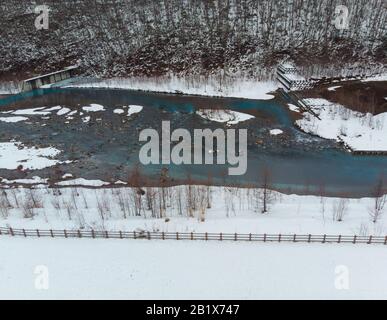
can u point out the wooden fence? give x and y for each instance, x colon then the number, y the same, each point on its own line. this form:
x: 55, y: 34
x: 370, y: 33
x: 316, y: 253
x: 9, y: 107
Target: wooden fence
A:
x: 308, y: 238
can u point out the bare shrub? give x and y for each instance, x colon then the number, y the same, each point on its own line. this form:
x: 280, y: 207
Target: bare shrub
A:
x: 380, y: 199
x: 339, y: 209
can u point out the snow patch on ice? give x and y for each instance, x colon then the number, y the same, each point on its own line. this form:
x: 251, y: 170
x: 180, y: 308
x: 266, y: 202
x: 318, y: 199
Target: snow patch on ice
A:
x: 118, y: 111
x: 132, y: 109
x: 13, y: 119
x: 276, y: 132
x: 13, y: 154
x: 224, y: 116
x: 94, y: 108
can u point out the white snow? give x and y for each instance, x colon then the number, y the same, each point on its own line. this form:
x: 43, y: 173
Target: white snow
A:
x: 86, y: 119
x: 33, y: 180
x: 13, y: 154
x: 359, y: 131
x: 206, y: 86
x: 93, y: 108
x: 53, y: 108
x: 294, y: 108
x: 225, y: 116
x: 31, y: 111
x: 83, y: 182
x: 133, y: 109
x: 333, y: 88
x: 381, y: 77
x: 142, y: 269
x: 118, y: 111
x: 63, y: 111
x: 13, y: 119
x: 276, y: 132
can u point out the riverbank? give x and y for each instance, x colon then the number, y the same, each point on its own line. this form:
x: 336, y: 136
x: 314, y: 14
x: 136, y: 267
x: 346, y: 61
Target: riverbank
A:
x: 187, y: 208
x: 211, y: 86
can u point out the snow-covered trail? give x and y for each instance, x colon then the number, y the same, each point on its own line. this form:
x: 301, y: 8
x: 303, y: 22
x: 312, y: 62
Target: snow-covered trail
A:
x: 108, y: 269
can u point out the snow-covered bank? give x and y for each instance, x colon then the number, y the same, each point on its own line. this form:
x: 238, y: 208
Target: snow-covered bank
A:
x: 358, y: 130
x: 9, y: 88
x: 116, y: 269
x: 194, y: 208
x: 210, y: 86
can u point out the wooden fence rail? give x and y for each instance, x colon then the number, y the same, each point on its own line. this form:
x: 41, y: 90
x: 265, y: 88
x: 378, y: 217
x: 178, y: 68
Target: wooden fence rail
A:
x: 308, y: 238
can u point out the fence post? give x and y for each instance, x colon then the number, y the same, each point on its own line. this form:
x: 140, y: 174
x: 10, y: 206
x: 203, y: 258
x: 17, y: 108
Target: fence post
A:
x: 24, y: 233
x: 324, y: 238
x: 37, y: 232
x: 370, y: 240
x: 309, y: 238
x: 235, y: 236
x: 206, y: 236
x: 134, y: 235
x: 294, y: 238
x: 354, y: 239
x: 385, y: 240
x: 149, y: 235
x: 163, y: 235
x: 192, y: 237
x: 11, y: 231
x: 107, y: 234
x: 65, y: 233
x: 249, y: 236
x: 120, y: 234
x: 339, y: 239
x: 52, y: 234
x: 79, y: 234
x: 177, y: 235
x: 279, y: 238
x: 264, y: 237
x: 221, y: 237
x: 92, y: 233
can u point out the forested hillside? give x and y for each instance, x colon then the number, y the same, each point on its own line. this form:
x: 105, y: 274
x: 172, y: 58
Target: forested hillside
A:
x: 157, y: 37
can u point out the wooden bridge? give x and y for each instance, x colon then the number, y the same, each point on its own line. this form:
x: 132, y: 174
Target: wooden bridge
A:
x: 290, y: 78
x: 46, y: 79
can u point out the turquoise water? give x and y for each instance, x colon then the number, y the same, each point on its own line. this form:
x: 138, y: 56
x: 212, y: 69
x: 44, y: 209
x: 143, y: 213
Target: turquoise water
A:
x: 301, y: 163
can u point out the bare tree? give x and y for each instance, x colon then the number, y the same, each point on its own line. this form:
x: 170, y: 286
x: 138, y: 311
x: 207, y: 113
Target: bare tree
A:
x: 379, y: 201
x: 266, y: 195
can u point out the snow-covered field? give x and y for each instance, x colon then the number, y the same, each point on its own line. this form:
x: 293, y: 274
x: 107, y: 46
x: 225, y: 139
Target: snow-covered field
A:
x: 238, y: 88
x: 186, y: 210
x: 358, y: 130
x: 142, y: 269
